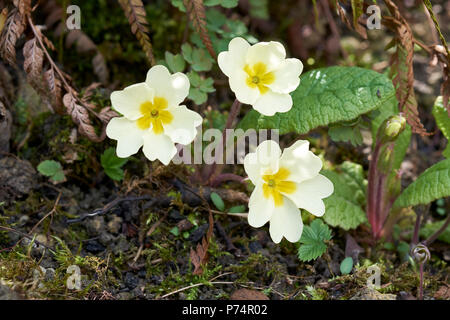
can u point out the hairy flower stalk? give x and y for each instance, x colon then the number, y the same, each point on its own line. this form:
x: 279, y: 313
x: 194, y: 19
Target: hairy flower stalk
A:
x: 383, y: 183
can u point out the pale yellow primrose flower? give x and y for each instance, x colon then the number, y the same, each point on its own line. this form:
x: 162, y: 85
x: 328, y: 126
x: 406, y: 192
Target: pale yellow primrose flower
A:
x: 152, y: 116
x: 260, y: 75
x: 284, y: 183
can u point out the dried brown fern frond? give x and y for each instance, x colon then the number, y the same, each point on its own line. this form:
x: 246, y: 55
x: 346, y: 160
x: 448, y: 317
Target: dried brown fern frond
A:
x: 12, y: 31
x: 135, y: 13
x: 54, y: 88
x: 196, y: 12
x: 7, y: 90
x: 402, y: 71
x: 33, y: 64
x: 24, y: 7
x: 445, y: 52
x: 80, y: 115
x: 82, y: 42
x: 357, y: 7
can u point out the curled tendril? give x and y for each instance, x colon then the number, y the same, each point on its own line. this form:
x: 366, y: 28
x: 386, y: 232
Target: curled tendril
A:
x: 421, y: 253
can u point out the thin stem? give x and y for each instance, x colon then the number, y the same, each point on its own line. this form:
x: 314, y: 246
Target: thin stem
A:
x: 226, y: 177
x: 216, y: 168
x: 55, y: 68
x: 372, y: 188
x: 435, y: 235
x: 421, y: 282
x: 415, y: 238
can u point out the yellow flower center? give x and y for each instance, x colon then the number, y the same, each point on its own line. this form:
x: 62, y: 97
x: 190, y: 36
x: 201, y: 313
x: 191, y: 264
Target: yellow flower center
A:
x: 275, y: 185
x: 154, y: 115
x: 258, y: 77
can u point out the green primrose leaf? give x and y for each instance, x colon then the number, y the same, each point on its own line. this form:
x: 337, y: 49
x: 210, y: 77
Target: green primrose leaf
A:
x: 313, y: 240
x: 346, y: 134
x: 428, y: 229
x: 432, y: 184
x: 112, y: 164
x: 346, y: 265
x: 218, y: 202
x: 443, y: 122
x: 344, y: 208
x: 326, y: 96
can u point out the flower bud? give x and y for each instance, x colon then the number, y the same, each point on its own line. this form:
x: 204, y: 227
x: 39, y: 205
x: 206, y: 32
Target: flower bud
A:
x: 394, y: 126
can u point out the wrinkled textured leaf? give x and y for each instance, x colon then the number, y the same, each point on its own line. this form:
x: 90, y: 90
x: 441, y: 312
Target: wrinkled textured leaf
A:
x: 443, y: 122
x: 344, y: 208
x: 432, y: 184
x: 326, y: 96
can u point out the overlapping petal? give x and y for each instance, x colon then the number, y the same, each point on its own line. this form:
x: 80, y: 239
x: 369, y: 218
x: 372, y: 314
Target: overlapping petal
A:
x: 153, y: 117
x: 303, y: 163
x: 173, y: 87
x: 283, y: 184
x: 128, y: 101
x: 260, y: 208
x: 260, y: 75
x: 183, y: 128
x: 128, y: 136
x: 286, y: 221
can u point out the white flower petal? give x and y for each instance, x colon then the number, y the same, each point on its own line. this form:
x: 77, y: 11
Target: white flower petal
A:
x: 287, y: 76
x: 128, y: 136
x: 243, y: 92
x: 265, y: 160
x: 270, y: 53
x: 271, y: 102
x: 174, y: 88
x: 128, y: 101
x: 260, y: 208
x: 302, y: 163
x: 234, y: 58
x: 268, y: 154
x: 182, y: 129
x: 158, y: 146
x: 253, y: 168
x: 308, y: 194
x: 286, y: 221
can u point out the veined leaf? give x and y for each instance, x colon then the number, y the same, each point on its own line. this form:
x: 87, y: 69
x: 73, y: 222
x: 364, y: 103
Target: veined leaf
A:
x: 313, y: 240
x: 341, y: 212
x: 326, y: 96
x: 432, y: 184
x: 112, y: 164
x: 344, y: 208
x: 443, y: 122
